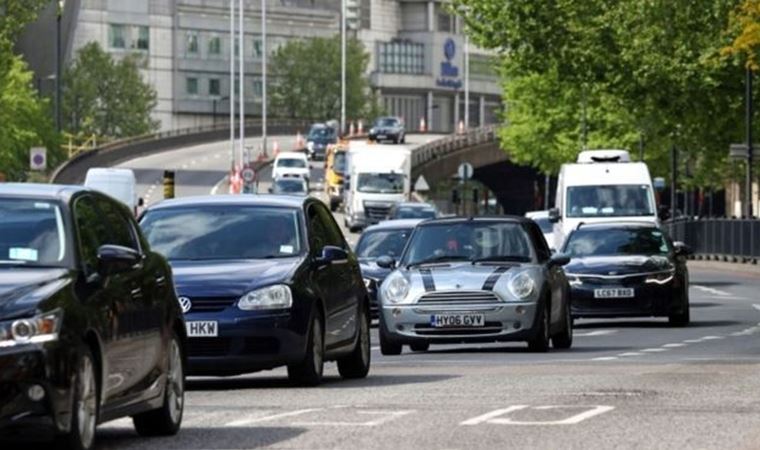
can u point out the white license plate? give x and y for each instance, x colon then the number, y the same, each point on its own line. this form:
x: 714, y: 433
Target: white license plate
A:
x: 202, y: 328
x: 457, y: 320
x: 381, y: 136
x: 614, y: 293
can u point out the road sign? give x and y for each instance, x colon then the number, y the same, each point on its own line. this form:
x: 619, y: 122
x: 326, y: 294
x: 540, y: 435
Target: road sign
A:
x: 38, y: 158
x: 248, y: 174
x: 465, y: 171
x: 740, y: 151
x: 421, y: 185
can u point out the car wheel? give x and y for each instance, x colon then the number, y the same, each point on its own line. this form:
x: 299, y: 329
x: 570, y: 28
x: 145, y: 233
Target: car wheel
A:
x: 85, y: 406
x: 166, y: 420
x: 387, y: 347
x: 356, y: 365
x: 564, y: 339
x: 540, y: 343
x: 682, y: 318
x: 420, y: 346
x: 309, y: 371
x: 403, y: 139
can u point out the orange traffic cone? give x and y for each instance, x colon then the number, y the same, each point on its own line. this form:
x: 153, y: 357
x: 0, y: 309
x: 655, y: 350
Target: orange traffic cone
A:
x: 299, y: 141
x: 360, y: 128
x: 351, y: 129
x: 460, y: 128
x: 423, y: 125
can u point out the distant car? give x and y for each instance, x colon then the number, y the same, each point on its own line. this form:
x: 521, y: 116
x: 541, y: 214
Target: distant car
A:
x: 475, y: 280
x: 90, y: 327
x: 289, y: 186
x: 291, y: 164
x: 545, y: 223
x: 319, y: 137
x: 388, y: 129
x: 411, y: 210
x: 384, y: 239
x: 265, y: 281
x: 627, y: 269
x: 117, y: 183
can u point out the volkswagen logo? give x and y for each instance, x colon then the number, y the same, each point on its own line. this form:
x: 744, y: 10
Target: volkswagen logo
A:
x: 185, y: 304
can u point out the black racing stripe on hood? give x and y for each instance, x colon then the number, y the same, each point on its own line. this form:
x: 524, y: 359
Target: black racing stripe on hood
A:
x: 427, y: 280
x: 494, y: 277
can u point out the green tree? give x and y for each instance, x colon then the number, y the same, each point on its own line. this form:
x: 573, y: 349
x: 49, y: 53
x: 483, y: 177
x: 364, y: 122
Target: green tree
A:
x: 106, y: 97
x: 306, y: 75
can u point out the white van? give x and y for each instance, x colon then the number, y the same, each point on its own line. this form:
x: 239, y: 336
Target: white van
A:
x: 120, y: 184
x: 603, y: 186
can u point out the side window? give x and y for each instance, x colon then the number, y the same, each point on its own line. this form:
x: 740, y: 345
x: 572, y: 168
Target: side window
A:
x: 333, y: 234
x: 317, y: 232
x: 542, y: 249
x: 92, y: 231
x: 121, y: 229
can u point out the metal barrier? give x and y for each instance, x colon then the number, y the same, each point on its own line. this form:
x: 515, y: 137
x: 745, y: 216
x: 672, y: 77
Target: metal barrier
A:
x: 736, y: 240
x: 451, y: 144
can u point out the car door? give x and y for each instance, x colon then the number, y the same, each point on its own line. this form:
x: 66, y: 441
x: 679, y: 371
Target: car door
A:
x: 555, y: 275
x: 345, y: 278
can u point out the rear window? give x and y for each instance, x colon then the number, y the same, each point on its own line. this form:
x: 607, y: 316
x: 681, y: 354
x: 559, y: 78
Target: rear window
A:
x: 374, y: 244
x: 291, y: 162
x: 617, y: 242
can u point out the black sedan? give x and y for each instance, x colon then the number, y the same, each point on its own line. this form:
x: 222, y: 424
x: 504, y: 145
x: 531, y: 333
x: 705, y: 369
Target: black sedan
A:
x: 412, y: 210
x: 264, y: 281
x: 388, y: 129
x: 90, y: 327
x: 384, y: 239
x: 627, y: 270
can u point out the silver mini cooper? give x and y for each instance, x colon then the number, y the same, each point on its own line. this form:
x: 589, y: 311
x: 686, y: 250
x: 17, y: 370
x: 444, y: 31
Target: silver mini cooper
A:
x: 475, y: 280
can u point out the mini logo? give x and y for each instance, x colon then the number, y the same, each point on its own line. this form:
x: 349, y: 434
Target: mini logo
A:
x: 185, y: 304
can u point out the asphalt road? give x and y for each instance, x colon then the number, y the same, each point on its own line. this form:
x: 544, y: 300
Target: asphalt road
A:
x: 624, y: 384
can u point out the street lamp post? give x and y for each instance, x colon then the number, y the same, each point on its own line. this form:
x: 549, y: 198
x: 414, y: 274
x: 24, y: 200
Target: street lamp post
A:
x: 58, y: 64
x: 264, y: 76
x: 343, y: 10
x: 241, y: 68
x: 232, y: 84
x: 748, y: 181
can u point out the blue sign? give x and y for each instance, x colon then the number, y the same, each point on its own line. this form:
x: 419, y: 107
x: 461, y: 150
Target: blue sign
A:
x: 449, y: 71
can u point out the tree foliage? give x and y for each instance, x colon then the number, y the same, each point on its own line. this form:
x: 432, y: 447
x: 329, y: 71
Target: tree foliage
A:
x: 621, y: 71
x: 745, y: 28
x: 306, y: 77
x: 107, y: 97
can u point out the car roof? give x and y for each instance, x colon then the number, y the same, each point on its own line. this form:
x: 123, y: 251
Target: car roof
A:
x: 291, y: 155
x: 414, y: 205
x: 541, y: 214
x: 51, y: 191
x: 394, y: 224
x: 234, y: 200
x: 618, y: 224
x: 455, y: 220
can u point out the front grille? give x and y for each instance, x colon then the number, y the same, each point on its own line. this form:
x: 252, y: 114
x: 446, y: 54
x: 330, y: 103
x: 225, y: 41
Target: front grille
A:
x: 261, y: 346
x: 211, y: 304
x: 376, y: 212
x: 458, y: 297
x: 429, y: 330
x: 627, y: 280
x: 213, y: 346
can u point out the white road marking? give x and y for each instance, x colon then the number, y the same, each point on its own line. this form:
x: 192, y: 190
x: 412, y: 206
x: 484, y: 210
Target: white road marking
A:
x: 654, y: 350
x: 215, y: 189
x: 712, y: 338
x: 692, y: 341
x: 243, y: 422
x: 631, y: 354
x: 493, y: 414
x: 386, y: 416
x: 605, y: 358
x: 674, y: 345
x: 710, y: 290
x: 496, y: 417
x: 595, y: 333
x: 756, y: 306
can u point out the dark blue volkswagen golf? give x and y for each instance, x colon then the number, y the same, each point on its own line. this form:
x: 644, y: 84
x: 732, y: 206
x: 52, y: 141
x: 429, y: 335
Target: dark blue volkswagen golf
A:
x: 264, y: 281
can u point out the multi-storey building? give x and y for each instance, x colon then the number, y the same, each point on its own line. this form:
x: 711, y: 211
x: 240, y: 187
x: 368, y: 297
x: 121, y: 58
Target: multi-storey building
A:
x: 415, y: 46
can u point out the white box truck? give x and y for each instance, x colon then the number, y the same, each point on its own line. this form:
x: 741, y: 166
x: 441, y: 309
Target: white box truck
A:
x: 602, y: 186
x: 377, y: 178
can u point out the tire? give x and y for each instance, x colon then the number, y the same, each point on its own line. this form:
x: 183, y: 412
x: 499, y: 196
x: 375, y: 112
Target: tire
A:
x: 166, y: 420
x: 683, y: 318
x: 84, y: 417
x: 387, y: 347
x: 540, y: 343
x: 420, y: 346
x: 356, y: 364
x: 564, y: 339
x: 309, y: 371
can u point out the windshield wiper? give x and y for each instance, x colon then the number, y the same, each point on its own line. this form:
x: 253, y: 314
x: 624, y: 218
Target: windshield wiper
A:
x: 438, y: 259
x: 502, y: 258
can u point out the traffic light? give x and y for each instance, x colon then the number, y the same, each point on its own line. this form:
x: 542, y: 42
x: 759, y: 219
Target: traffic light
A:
x: 352, y: 14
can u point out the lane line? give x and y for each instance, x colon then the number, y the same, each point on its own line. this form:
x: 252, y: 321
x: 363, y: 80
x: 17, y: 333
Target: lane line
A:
x: 243, y: 422
x: 631, y: 354
x: 595, y: 333
x: 674, y: 345
x: 654, y: 350
x: 605, y: 358
x: 756, y: 306
x: 710, y: 290
x: 493, y: 414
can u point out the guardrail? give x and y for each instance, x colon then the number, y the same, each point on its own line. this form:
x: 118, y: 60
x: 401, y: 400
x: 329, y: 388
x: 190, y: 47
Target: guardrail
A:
x: 451, y: 144
x: 73, y: 170
x: 734, y: 240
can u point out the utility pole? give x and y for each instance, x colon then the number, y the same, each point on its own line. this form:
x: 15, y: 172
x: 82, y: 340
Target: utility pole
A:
x: 673, y: 180
x: 466, y: 79
x: 748, y: 181
x: 241, y: 53
x: 58, y: 64
x: 343, y: 10
x: 232, y: 84
x: 264, y: 76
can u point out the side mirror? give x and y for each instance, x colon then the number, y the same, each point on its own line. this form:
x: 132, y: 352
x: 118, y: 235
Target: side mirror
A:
x: 554, y: 215
x: 682, y: 249
x: 663, y: 212
x: 386, y: 262
x: 559, y: 260
x: 140, y: 202
x: 332, y: 255
x: 113, y: 259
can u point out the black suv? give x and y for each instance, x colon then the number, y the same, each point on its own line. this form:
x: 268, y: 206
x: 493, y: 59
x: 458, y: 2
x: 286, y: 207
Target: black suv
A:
x: 90, y: 327
x: 265, y: 281
x: 388, y: 129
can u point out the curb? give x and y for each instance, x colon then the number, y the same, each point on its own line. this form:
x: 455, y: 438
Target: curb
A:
x: 752, y: 269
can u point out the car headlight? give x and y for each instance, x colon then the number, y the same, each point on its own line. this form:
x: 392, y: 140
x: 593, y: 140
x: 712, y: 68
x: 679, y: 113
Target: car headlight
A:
x: 33, y: 330
x: 522, y: 285
x: 372, y: 131
x: 395, y: 288
x: 271, y: 297
x: 310, y: 145
x: 574, y: 280
x: 661, y: 277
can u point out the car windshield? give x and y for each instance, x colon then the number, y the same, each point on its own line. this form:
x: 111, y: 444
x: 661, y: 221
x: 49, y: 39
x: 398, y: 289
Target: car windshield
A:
x: 384, y: 183
x: 223, y: 232
x: 545, y: 224
x: 339, y: 162
x: 471, y: 240
x: 374, y: 244
x: 321, y: 133
x: 289, y: 186
x: 386, y: 122
x: 32, y: 233
x: 296, y: 163
x: 414, y: 212
x: 617, y: 242
x: 610, y: 201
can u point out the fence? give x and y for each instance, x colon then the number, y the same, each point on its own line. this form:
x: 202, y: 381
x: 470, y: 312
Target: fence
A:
x: 450, y: 144
x: 736, y: 240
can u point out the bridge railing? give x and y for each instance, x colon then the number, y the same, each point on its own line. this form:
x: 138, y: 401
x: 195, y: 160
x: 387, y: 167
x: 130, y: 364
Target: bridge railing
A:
x: 451, y: 144
x: 735, y: 240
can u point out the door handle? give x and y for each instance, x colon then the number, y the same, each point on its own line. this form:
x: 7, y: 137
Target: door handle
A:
x: 160, y: 279
x: 136, y: 293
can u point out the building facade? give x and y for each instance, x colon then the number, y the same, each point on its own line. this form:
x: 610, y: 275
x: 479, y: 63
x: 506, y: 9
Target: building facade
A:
x: 417, y: 57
